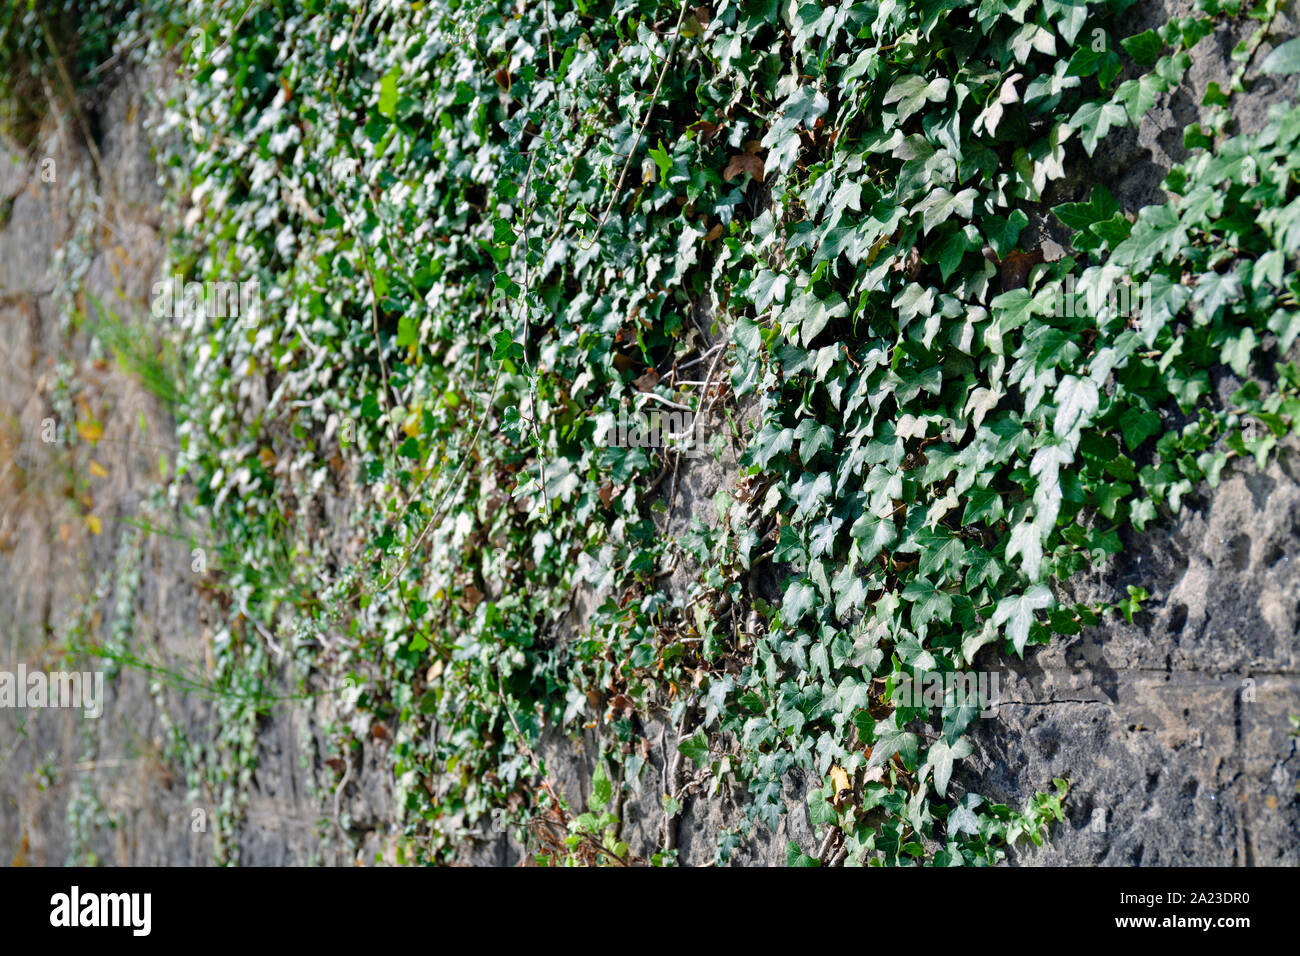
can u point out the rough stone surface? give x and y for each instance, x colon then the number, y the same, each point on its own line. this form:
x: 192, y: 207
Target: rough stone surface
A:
x: 1174, y: 731
x: 74, y: 789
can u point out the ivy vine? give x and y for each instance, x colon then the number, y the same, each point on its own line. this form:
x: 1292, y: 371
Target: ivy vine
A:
x: 486, y: 230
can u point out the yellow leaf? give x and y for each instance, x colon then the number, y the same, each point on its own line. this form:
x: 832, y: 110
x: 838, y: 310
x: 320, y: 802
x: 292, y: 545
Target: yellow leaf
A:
x: 94, y: 524
x: 876, y: 249
x: 92, y: 431
x: 841, y: 781
x: 98, y: 470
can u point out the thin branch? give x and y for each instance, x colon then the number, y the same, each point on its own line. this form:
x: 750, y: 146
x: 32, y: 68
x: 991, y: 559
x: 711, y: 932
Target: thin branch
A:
x: 654, y: 98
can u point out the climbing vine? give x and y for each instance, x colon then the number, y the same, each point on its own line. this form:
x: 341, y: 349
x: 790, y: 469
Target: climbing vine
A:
x: 487, y: 232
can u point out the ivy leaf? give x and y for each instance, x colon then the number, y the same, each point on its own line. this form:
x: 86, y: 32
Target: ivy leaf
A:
x: 505, y: 347
x: 810, y: 314
x: 1237, y: 350
x: 914, y: 300
x: 789, y: 547
x: 1076, y: 403
x: 980, y: 403
x: 1027, y: 542
x: 1003, y: 232
x: 1016, y: 613
x: 767, y: 287
x: 813, y: 436
x: 1086, y: 61
x: 940, y: 205
x: 982, y: 504
x: 1137, y: 425
x: 407, y: 333
x: 890, y: 740
x: 1137, y: 97
x: 850, y: 590
x: 963, y: 818
x: 802, y: 108
x: 951, y: 254
x: 1143, y: 47
x: 971, y: 644
x: 696, y: 748
x: 1032, y: 37
x: 1283, y: 59
x: 874, y: 534
x: 940, y: 757
x: 800, y: 598
x: 795, y: 857
x: 513, y: 425
x: 772, y: 443
x: 1285, y: 324
x: 1095, y: 121
x: 601, y: 788
x: 1100, y: 206
x: 663, y: 161
x: 927, y: 602
x: 913, y: 92
x: 810, y: 491
x: 388, y: 93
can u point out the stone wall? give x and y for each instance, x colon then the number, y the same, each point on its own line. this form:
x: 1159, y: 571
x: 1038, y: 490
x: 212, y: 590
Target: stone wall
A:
x: 1173, y: 730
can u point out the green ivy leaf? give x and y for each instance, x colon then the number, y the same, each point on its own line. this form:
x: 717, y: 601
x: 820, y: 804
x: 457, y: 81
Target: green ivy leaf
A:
x: 940, y: 757
x: 1143, y: 47
x: 601, y: 788
x: 696, y: 748
x: 1283, y: 59
x: 388, y: 93
x: 1016, y: 613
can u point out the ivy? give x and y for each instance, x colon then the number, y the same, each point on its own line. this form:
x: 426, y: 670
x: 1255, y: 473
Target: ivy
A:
x: 488, y: 230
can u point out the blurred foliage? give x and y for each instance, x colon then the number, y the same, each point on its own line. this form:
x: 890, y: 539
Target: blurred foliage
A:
x: 50, y: 51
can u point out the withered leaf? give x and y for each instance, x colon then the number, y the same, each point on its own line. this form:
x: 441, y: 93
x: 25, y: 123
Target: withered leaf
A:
x: 470, y: 598
x: 909, y: 264
x: 706, y: 129
x: 746, y: 162
x: 1014, y: 269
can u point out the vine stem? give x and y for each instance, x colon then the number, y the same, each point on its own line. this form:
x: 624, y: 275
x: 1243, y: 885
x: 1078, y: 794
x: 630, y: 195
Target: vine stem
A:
x: 374, y: 298
x: 338, y: 795
x: 469, y: 452
x: 654, y: 98
x: 586, y: 838
x: 528, y: 316
x: 523, y: 742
